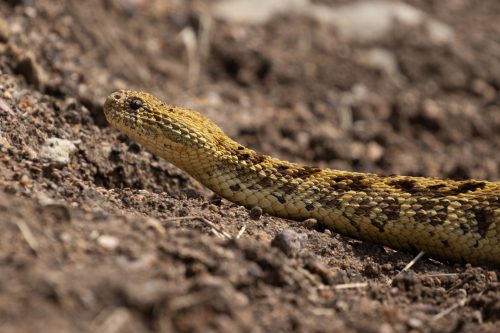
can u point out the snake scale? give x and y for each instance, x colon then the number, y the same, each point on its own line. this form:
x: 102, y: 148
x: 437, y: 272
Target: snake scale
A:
x: 450, y: 220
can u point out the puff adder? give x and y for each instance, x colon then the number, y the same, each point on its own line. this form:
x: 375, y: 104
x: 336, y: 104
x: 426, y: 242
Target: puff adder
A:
x: 456, y: 221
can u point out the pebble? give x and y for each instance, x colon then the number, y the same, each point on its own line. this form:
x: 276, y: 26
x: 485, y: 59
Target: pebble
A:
x: 255, y: 213
x: 5, y: 107
x: 57, y: 151
x: 310, y: 223
x: 108, y: 242
x: 380, y: 59
x: 66, y: 237
x: 290, y: 242
x: 25, y: 180
x: 387, y: 267
x: 43, y: 199
x: 372, y: 270
x: 415, y: 323
x: 254, y: 11
x: 59, y: 211
x: 4, y: 142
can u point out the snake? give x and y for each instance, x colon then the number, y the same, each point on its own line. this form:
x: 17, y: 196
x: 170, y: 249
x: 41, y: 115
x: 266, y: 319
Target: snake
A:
x: 453, y: 221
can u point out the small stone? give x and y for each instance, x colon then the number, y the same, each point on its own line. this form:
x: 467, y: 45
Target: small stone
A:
x: 31, y: 70
x: 9, y: 189
x: 372, y: 270
x: 380, y: 59
x: 30, y: 12
x: 57, y: 151
x: 25, y: 180
x: 99, y: 216
x: 255, y: 213
x: 310, y: 223
x: 192, y: 194
x: 59, y: 211
x: 108, y: 242
x: 439, y: 32
x: 405, y: 281
x: 43, y: 199
x: 170, y: 202
x: 414, y: 322
x: 290, y: 242
x: 4, y: 142
x: 387, y: 267
x: 66, y: 237
x: 213, y: 208
x: 5, y: 107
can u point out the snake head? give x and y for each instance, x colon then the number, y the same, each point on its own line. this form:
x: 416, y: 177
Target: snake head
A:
x: 159, y: 126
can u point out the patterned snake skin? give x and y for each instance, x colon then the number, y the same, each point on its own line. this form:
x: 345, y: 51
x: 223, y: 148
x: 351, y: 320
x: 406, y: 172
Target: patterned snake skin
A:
x: 450, y: 220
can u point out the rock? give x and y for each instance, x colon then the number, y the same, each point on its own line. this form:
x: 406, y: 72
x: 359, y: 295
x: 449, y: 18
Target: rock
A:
x: 4, y: 142
x: 108, y: 242
x: 57, y: 151
x: 255, y: 213
x: 59, y: 211
x: 254, y: 11
x: 380, y: 59
x: 439, y: 32
x: 415, y: 323
x: 25, y: 180
x: 5, y: 107
x: 310, y: 223
x: 290, y: 242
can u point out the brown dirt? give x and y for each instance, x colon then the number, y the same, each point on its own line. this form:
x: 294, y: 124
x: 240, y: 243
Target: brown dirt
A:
x: 96, y: 244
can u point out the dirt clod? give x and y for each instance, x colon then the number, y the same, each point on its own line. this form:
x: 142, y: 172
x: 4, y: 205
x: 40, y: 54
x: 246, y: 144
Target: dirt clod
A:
x: 255, y: 213
x: 290, y: 242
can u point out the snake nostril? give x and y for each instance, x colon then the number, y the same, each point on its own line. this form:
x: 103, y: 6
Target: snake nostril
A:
x: 117, y: 96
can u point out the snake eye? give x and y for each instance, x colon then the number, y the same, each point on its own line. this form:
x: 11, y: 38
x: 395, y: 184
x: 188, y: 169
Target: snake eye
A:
x: 135, y: 104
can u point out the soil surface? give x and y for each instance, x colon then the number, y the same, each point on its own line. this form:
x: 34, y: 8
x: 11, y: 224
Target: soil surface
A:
x: 98, y: 235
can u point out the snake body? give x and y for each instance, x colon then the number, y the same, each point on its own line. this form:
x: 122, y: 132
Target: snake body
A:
x: 457, y: 221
